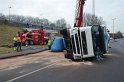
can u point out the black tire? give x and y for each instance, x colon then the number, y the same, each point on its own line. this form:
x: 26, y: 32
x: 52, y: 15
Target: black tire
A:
x: 26, y: 42
x: 71, y: 55
x: 45, y: 42
x: 31, y: 42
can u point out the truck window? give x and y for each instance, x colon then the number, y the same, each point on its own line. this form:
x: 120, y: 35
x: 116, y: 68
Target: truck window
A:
x: 77, y: 43
x: 73, y: 44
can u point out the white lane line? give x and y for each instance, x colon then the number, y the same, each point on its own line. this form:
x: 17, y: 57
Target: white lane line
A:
x: 31, y: 72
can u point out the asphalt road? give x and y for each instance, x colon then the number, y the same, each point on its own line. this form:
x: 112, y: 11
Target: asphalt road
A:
x: 53, y: 67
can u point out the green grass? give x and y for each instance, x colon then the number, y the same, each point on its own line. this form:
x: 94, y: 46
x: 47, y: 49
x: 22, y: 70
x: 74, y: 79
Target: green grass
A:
x: 4, y: 50
x: 7, y: 32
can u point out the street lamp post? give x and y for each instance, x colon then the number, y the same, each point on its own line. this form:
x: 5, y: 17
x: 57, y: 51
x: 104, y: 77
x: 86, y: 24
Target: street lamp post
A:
x: 93, y: 7
x: 93, y: 11
x: 9, y: 12
x: 113, y: 27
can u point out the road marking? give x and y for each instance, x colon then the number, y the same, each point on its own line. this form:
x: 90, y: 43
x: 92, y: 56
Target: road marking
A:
x: 31, y: 72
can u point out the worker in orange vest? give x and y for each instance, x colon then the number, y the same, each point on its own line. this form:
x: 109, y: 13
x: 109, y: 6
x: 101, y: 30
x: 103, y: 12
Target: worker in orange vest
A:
x: 19, y: 43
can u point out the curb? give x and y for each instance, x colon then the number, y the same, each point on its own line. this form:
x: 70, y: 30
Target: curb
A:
x: 10, y: 55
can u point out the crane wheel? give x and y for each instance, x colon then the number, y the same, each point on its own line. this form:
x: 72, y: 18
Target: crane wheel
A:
x: 31, y: 42
x: 26, y: 42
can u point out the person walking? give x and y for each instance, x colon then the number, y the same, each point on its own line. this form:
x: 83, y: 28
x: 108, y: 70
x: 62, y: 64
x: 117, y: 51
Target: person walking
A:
x: 19, y: 44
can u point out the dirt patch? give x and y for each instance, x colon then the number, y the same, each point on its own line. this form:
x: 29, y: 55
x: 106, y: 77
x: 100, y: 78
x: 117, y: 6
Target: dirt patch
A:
x: 50, y: 57
x: 13, y: 63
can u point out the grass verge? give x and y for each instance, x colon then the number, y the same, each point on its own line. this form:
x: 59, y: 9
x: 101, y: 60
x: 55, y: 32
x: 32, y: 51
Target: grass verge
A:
x: 7, y: 32
x: 4, y: 50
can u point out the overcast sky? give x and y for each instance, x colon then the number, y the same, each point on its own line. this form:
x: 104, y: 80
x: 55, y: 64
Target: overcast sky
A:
x: 55, y: 9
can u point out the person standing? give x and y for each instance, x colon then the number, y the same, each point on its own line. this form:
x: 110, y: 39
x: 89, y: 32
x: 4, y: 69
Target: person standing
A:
x: 28, y: 37
x: 19, y: 44
x: 49, y: 44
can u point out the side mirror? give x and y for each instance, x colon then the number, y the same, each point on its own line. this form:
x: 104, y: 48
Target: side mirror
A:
x: 108, y: 31
x: 110, y: 47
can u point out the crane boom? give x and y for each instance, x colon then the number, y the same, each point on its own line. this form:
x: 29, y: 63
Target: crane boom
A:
x: 79, y: 14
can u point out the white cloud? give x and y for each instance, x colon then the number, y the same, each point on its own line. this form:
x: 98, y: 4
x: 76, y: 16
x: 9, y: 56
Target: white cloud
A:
x: 55, y: 9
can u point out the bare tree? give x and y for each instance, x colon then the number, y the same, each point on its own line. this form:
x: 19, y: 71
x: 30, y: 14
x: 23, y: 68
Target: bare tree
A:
x: 52, y: 26
x: 61, y: 24
x: 119, y: 34
x: 2, y: 16
x: 3, y: 19
x: 28, y: 20
x: 90, y: 19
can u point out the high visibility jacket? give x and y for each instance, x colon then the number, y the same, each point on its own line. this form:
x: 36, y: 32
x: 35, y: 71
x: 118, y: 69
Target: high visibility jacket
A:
x: 18, y: 39
x: 15, y: 39
x: 49, y: 42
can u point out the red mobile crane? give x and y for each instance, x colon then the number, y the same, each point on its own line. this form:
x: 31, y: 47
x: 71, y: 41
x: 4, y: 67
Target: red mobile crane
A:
x: 36, y: 36
x: 79, y: 14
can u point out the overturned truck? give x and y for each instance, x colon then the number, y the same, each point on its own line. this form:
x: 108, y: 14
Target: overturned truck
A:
x: 85, y: 42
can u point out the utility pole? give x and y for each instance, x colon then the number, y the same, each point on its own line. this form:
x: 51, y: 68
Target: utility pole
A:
x: 113, y: 26
x: 9, y: 12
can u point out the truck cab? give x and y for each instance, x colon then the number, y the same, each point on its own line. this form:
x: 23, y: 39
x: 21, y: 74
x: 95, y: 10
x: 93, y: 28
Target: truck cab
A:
x: 86, y: 42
